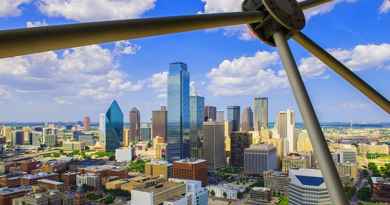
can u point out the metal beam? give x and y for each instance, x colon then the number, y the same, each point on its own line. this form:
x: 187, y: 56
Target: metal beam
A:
x: 320, y: 147
x: 308, y: 4
x: 32, y: 40
x: 342, y: 70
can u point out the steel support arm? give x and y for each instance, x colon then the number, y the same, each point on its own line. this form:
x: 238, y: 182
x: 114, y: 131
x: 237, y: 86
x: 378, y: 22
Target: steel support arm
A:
x: 311, y: 122
x: 308, y: 4
x: 32, y: 40
x: 342, y: 70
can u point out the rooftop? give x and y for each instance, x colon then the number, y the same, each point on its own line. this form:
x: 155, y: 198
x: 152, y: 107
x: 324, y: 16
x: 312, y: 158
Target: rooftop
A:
x: 7, y: 191
x: 191, y: 161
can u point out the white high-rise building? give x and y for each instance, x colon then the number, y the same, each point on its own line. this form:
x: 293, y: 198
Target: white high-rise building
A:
x: 124, y: 154
x: 197, y: 194
x: 285, y: 125
x: 102, y: 127
x: 307, y: 186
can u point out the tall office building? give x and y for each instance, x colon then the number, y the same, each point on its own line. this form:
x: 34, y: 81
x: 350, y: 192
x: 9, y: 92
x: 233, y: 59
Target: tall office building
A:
x: 233, y: 117
x: 196, y: 123
x: 285, y: 125
x: 146, y: 132
x: 111, y: 127
x: 239, y: 141
x: 17, y: 137
x: 214, y: 144
x: 210, y: 112
x: 159, y: 123
x: 86, y: 123
x: 220, y: 116
x: 247, y: 120
x: 307, y: 186
x: 260, y: 109
x: 260, y: 158
x: 178, y: 111
x: 134, y: 124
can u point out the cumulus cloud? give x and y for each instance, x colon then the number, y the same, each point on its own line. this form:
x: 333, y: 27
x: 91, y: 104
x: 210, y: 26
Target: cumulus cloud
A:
x: 361, y: 57
x: 385, y: 7
x: 31, y: 24
x: 255, y: 75
x: 159, y: 82
x: 79, y: 73
x: 247, y: 75
x: 4, y: 93
x: 93, y: 10
x: 11, y: 7
x: 126, y: 48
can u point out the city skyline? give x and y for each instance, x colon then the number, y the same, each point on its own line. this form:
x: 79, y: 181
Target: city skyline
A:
x: 125, y: 73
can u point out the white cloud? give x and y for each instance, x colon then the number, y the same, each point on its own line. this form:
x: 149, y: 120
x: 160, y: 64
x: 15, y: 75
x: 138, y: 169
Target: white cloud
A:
x: 4, y: 93
x: 215, y: 6
x: 361, y: 57
x: 385, y: 7
x: 11, y: 7
x: 92, y: 10
x: 247, y: 75
x: 263, y: 72
x: 31, y: 24
x: 79, y: 73
x: 126, y: 48
x: 193, y: 89
x: 159, y: 82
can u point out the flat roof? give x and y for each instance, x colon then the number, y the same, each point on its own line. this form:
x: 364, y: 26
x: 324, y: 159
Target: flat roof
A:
x: 48, y: 181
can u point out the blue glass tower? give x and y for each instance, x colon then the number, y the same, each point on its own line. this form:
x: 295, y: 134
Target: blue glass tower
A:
x: 112, y: 122
x: 196, y: 123
x: 233, y: 117
x: 178, y: 111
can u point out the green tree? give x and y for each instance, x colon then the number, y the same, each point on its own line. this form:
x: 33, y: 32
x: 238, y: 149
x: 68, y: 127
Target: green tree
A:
x: 283, y: 200
x: 212, y: 192
x: 364, y: 194
x: 109, y: 199
x: 224, y: 195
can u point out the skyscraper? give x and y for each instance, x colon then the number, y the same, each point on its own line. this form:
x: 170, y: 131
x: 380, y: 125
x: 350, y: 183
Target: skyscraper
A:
x: 259, y: 158
x: 260, y: 109
x: 210, y: 112
x: 214, y: 144
x: 233, y: 117
x: 86, y: 122
x: 134, y: 124
x: 111, y: 127
x: 247, y: 120
x: 178, y: 111
x: 159, y: 123
x: 220, y: 116
x: 196, y: 123
x: 285, y: 125
x: 239, y: 141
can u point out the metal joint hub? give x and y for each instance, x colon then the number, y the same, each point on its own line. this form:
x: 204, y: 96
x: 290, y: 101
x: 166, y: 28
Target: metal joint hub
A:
x: 283, y: 16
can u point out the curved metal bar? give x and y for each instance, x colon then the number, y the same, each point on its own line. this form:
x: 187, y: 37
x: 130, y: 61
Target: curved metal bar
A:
x: 33, y: 40
x: 320, y: 147
x: 342, y: 70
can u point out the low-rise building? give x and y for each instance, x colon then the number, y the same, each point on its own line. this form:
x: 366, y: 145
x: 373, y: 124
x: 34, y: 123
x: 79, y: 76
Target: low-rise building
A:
x: 163, y: 193
x: 195, y: 193
x: 260, y: 195
x: 191, y: 169
x: 159, y: 169
x: 381, y: 189
x: 307, y: 186
x: 296, y: 161
x: 276, y: 181
x: 8, y: 194
x: 70, y: 146
x: 124, y: 154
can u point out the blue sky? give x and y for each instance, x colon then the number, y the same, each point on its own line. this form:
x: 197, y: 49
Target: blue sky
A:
x: 227, y: 65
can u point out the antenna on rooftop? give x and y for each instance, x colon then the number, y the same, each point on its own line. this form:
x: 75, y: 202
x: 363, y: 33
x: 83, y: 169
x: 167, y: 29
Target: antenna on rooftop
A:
x: 272, y: 21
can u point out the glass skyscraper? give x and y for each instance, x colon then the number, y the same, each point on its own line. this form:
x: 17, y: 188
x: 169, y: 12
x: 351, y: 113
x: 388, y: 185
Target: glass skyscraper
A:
x: 196, y: 124
x: 111, y: 127
x: 178, y: 112
x: 233, y: 117
x: 260, y: 110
